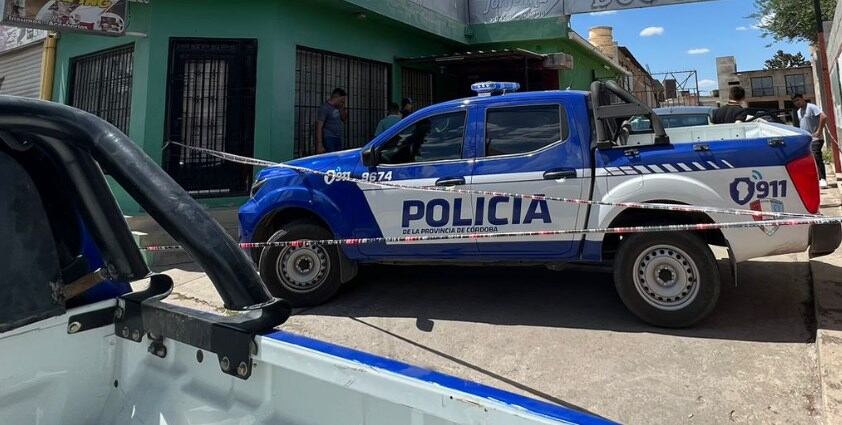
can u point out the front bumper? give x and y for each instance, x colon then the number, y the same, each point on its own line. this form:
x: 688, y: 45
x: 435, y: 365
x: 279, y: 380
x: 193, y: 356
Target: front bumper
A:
x: 824, y: 238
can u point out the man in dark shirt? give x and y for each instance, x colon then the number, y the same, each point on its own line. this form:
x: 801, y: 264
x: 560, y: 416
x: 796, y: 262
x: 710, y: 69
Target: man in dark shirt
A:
x: 330, y: 123
x: 733, y: 111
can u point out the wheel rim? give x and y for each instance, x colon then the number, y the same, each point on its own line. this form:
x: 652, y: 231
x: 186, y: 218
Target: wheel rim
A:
x: 666, y: 277
x: 302, y: 269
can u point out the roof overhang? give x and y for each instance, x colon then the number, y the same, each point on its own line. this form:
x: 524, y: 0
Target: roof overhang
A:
x: 549, y: 60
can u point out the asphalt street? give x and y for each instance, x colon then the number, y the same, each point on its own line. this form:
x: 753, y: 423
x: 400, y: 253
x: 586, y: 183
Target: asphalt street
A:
x: 565, y: 337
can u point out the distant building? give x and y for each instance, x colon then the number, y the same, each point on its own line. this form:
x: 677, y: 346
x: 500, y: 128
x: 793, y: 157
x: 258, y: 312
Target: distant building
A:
x: 639, y: 81
x: 21, y: 52
x: 766, y: 88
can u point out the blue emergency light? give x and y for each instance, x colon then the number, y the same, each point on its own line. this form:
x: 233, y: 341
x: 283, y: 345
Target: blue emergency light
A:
x: 489, y: 88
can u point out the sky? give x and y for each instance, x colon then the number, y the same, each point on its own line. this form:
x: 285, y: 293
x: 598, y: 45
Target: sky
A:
x: 691, y: 36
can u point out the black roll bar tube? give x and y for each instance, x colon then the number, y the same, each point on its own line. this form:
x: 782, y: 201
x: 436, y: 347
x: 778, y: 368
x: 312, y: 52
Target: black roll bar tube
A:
x: 633, y: 104
x: 60, y: 130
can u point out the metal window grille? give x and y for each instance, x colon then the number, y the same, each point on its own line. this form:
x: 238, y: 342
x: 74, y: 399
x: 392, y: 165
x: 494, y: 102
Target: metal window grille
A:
x: 366, y: 82
x: 417, y: 85
x: 762, y: 86
x: 101, y: 83
x: 211, y: 88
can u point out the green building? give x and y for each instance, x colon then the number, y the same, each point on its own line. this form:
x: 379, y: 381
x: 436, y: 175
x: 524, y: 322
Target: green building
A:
x: 248, y: 77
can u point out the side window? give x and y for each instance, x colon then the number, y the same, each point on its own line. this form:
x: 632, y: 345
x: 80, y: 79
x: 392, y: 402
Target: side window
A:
x: 523, y: 129
x: 435, y: 138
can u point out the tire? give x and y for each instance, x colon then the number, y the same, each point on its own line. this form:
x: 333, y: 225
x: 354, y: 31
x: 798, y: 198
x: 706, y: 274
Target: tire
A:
x: 304, y: 276
x: 668, y: 280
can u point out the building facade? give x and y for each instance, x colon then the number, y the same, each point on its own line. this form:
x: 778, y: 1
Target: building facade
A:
x: 21, y: 56
x: 767, y: 88
x: 637, y: 78
x: 248, y: 78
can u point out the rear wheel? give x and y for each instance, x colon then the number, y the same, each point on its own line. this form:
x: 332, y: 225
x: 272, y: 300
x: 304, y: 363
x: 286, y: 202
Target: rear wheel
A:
x: 667, y: 279
x: 305, y: 275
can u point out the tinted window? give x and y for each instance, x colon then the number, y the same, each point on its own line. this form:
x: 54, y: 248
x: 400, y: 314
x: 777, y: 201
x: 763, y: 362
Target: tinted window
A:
x: 684, y: 120
x: 436, y: 138
x: 523, y: 129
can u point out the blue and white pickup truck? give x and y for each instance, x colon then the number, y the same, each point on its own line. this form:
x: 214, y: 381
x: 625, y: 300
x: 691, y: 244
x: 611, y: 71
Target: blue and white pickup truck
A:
x: 571, y: 144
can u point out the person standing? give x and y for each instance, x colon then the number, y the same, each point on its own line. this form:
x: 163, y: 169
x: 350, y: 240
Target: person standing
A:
x: 812, y: 120
x: 733, y: 111
x: 330, y: 123
x: 391, y: 119
x: 406, y: 107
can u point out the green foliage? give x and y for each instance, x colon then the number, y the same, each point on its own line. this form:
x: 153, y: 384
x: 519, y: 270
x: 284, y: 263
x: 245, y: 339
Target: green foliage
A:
x: 791, y: 20
x: 783, y: 60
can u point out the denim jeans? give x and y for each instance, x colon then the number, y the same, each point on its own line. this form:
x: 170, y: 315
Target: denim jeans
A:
x: 816, y: 148
x: 332, y: 144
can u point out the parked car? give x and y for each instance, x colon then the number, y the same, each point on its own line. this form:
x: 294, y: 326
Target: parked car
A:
x: 566, y: 144
x: 675, y: 116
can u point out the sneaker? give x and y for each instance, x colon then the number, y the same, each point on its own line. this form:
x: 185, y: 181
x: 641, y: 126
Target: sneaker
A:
x: 823, y: 183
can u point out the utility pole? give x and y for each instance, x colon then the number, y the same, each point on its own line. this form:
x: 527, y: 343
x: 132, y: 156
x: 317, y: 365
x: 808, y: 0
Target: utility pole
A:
x: 824, y: 75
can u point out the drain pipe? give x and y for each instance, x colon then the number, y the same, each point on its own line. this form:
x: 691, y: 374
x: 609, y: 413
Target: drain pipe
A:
x: 48, y: 66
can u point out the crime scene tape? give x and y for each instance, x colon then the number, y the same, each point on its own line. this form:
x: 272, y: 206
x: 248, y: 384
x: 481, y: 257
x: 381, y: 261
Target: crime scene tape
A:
x: 539, y: 233
x: 650, y: 206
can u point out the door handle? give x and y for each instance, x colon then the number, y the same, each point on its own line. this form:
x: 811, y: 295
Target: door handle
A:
x: 450, y: 181
x: 559, y: 174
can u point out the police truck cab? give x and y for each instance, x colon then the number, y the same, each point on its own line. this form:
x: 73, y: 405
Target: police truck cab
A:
x: 576, y: 145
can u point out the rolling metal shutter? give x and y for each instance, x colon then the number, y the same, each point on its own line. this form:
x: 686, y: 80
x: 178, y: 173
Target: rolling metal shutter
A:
x: 20, y: 71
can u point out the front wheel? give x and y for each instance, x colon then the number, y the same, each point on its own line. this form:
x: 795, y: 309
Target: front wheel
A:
x: 667, y: 279
x: 305, y: 275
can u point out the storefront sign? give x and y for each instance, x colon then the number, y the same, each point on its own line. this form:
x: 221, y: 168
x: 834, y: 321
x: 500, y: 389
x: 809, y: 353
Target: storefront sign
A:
x: 493, y: 11
x: 572, y: 7
x: 14, y: 37
x: 95, y: 16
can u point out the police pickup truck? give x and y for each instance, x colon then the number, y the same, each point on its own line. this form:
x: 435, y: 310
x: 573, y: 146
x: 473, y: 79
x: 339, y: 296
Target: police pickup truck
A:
x: 569, y: 144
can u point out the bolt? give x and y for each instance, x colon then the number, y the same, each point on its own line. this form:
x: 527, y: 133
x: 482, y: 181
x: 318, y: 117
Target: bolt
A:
x: 243, y: 369
x: 118, y: 313
x: 136, y: 335
x: 74, y: 327
x: 125, y: 331
x: 225, y: 364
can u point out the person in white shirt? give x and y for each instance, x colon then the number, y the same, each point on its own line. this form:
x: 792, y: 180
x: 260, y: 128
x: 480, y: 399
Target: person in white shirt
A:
x: 813, y: 120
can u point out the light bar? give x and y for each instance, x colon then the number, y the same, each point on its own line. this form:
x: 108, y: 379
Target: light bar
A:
x: 489, y: 88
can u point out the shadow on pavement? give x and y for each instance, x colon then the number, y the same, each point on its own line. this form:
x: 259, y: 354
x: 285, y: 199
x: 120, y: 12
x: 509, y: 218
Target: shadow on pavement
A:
x: 772, y: 303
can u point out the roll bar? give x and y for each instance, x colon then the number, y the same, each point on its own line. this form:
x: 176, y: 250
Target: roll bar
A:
x: 603, y: 109
x: 74, y: 139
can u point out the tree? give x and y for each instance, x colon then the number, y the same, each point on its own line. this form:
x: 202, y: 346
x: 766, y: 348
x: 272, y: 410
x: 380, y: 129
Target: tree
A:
x: 783, y: 60
x: 791, y: 20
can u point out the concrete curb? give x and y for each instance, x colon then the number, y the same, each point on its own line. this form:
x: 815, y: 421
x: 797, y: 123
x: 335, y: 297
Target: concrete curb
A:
x: 827, y: 295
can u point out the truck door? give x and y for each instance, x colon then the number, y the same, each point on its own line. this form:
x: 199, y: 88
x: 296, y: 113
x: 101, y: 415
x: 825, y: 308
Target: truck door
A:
x: 429, y: 150
x: 529, y: 149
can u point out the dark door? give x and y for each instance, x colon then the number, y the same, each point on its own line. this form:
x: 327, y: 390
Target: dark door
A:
x: 210, y: 104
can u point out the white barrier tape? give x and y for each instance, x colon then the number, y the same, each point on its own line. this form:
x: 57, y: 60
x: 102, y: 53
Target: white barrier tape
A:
x: 650, y: 206
x: 540, y: 233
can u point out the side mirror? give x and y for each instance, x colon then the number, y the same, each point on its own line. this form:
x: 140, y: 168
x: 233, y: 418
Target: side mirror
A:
x: 370, y: 156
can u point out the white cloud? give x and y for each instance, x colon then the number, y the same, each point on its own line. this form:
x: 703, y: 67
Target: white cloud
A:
x: 700, y: 51
x: 707, y: 85
x: 604, y: 12
x: 652, y: 31
x: 764, y: 21
x: 742, y: 29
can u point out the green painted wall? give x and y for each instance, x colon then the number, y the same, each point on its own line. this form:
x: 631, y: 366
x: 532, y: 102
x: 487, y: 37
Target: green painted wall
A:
x: 280, y: 26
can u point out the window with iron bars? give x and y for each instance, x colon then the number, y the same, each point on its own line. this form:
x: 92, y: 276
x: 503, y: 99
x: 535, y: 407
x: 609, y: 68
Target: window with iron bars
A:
x: 101, y: 83
x: 366, y: 82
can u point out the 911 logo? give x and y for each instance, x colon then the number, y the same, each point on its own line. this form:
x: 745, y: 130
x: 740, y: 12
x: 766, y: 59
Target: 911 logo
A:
x: 744, y: 189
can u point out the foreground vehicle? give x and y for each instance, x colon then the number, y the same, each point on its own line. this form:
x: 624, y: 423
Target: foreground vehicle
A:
x: 78, y: 347
x: 566, y: 144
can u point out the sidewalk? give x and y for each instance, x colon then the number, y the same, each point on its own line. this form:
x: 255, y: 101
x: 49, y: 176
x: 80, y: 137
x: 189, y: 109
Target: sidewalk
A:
x: 827, y: 294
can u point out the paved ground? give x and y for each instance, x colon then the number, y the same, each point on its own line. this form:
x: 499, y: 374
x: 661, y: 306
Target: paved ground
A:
x: 566, y: 336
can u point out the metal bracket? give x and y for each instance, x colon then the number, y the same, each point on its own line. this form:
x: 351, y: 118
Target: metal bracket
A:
x: 231, y: 338
x: 90, y: 320
x: 777, y: 142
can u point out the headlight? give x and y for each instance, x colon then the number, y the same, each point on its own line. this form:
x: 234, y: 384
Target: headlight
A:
x: 256, y: 186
